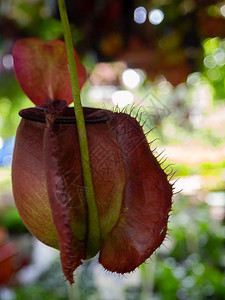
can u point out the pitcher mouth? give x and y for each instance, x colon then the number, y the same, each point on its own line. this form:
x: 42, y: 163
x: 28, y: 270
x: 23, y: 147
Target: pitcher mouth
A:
x: 67, y: 116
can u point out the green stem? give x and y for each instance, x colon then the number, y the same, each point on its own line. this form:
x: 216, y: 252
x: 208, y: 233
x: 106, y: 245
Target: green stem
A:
x: 93, y: 242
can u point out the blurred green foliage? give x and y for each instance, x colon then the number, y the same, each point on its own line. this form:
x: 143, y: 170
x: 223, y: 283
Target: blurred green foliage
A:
x: 12, y: 99
x: 10, y: 219
x: 5, y: 180
x: 50, y: 286
x: 206, y: 169
x: 196, y: 261
x: 214, y: 65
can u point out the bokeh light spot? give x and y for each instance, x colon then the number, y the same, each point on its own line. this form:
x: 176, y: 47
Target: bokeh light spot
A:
x: 213, y: 11
x: 220, y: 58
x: 140, y: 15
x: 194, y: 78
x: 214, y: 74
x: 222, y: 10
x: 7, y: 62
x: 131, y: 78
x: 1, y: 142
x: 122, y: 98
x: 156, y: 16
x: 209, y: 62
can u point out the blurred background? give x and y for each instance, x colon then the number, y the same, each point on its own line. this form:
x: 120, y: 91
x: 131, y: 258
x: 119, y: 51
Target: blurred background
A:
x: 166, y: 57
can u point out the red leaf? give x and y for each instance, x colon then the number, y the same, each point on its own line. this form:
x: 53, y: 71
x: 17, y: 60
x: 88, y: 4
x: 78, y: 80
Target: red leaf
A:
x: 142, y: 224
x: 42, y: 70
x: 71, y: 249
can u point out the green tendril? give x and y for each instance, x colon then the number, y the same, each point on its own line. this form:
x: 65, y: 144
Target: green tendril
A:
x: 93, y: 238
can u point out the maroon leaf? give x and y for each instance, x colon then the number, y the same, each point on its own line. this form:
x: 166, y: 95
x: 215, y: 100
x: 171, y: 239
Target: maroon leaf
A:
x: 29, y: 182
x: 142, y: 224
x: 71, y: 249
x: 42, y: 70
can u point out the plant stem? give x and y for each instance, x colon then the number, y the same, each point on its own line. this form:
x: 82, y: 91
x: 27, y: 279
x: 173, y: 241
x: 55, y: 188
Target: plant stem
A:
x: 93, y: 242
